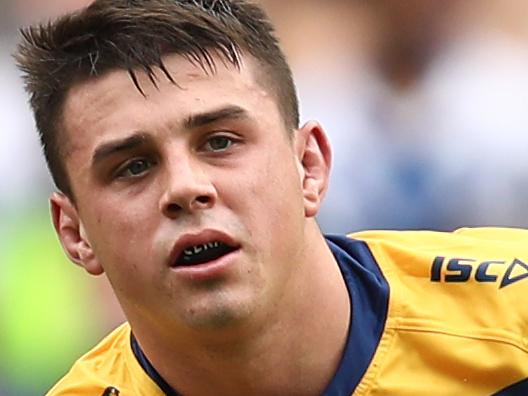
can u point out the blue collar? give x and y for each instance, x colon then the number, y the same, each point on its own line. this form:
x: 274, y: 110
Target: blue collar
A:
x: 369, y: 292
x: 149, y: 369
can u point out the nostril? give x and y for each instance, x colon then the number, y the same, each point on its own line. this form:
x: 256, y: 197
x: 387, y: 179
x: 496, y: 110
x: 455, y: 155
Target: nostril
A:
x: 173, y: 208
x: 203, y: 199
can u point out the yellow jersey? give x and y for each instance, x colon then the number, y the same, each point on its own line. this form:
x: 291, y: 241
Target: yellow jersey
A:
x: 433, y: 314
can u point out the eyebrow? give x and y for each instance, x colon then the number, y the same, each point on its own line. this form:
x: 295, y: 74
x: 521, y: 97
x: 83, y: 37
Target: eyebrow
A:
x: 116, y: 146
x: 202, y: 119
x: 194, y: 121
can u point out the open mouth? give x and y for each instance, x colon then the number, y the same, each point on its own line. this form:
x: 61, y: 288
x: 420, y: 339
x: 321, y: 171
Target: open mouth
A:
x: 203, y: 253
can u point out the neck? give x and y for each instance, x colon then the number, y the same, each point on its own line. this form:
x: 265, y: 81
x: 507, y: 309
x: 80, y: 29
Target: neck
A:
x: 303, y: 340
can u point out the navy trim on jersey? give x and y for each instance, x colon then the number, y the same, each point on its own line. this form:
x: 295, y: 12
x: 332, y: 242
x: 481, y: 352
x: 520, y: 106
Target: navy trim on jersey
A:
x: 149, y: 369
x: 369, y: 293
x: 518, y: 389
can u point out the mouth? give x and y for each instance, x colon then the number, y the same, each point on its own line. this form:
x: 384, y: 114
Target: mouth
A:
x: 202, y: 248
x: 203, y: 253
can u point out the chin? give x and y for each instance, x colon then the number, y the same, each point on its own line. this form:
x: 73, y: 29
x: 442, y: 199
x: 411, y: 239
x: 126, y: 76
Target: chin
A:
x: 221, y: 314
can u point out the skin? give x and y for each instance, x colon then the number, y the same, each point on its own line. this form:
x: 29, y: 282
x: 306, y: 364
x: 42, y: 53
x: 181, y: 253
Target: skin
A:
x: 148, y: 171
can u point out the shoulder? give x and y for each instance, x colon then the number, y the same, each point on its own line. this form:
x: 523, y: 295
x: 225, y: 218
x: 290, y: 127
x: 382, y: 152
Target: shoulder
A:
x: 455, y: 300
x: 480, y: 255
x: 414, y: 252
x: 111, y: 363
x: 478, y: 275
x: 496, y: 256
x: 471, y: 246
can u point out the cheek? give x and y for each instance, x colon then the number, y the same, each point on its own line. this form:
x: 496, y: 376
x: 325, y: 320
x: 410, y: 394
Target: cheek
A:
x: 127, y: 214
x: 275, y: 175
x: 273, y: 200
x: 121, y: 233
x: 124, y: 249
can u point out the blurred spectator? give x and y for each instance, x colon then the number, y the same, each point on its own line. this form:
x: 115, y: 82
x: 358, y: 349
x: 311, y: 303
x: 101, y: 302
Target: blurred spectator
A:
x: 425, y: 104
x: 478, y: 91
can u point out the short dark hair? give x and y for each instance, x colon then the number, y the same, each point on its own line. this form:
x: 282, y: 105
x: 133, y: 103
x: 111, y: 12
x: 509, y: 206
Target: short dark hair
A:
x: 136, y: 34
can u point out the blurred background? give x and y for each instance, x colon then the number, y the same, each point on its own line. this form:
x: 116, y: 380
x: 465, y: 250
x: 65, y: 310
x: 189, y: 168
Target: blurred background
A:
x: 425, y: 102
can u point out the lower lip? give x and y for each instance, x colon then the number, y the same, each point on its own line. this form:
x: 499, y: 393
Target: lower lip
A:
x: 207, y: 271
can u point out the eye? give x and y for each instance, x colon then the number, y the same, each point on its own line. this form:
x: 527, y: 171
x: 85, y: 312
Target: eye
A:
x: 218, y: 143
x: 134, y: 168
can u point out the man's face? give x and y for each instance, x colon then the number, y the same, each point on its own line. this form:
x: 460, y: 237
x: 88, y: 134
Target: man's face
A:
x: 191, y: 199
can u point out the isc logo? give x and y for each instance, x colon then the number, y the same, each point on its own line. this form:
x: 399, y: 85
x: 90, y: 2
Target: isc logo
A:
x: 462, y: 269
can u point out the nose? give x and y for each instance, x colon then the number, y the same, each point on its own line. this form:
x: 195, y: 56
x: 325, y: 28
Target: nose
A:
x: 187, y: 188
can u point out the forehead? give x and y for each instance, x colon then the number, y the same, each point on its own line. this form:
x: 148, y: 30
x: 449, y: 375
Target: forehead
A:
x: 112, y: 101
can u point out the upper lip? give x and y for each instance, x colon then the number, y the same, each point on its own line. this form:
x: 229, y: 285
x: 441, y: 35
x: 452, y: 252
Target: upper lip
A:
x: 199, y: 238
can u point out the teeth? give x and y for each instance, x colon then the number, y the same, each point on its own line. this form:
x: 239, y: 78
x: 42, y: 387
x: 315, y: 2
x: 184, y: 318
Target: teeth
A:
x: 199, y: 248
x: 213, y: 244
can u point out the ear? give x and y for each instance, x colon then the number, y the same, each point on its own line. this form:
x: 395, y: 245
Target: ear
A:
x: 72, y: 235
x: 315, y: 158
